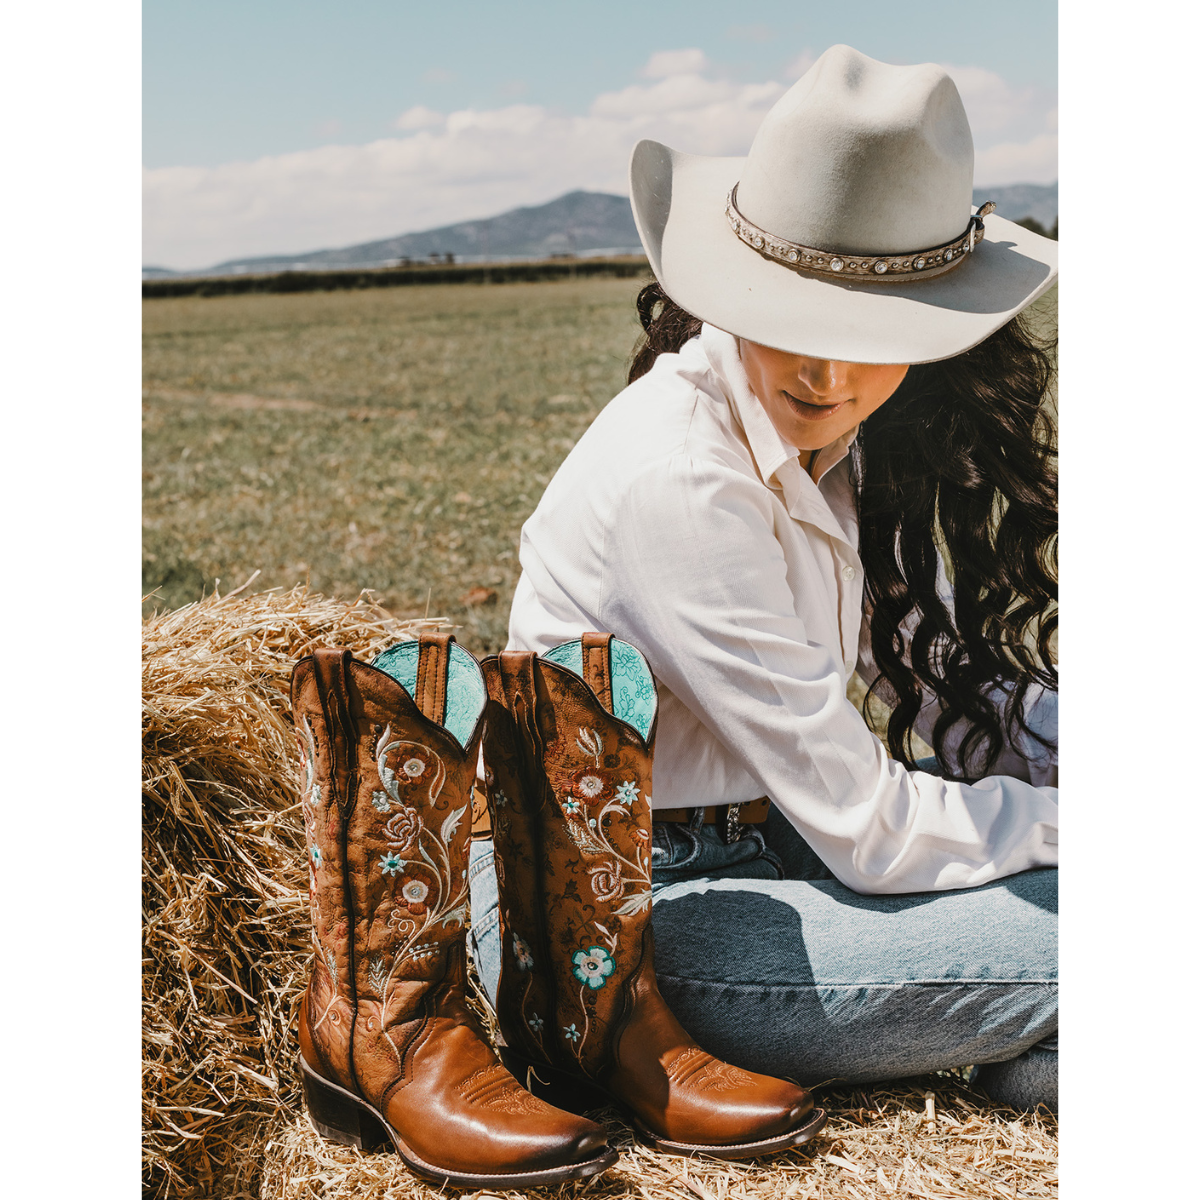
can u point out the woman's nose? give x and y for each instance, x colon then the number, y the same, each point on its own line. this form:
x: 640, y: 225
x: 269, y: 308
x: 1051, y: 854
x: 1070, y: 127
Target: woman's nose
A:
x: 821, y: 376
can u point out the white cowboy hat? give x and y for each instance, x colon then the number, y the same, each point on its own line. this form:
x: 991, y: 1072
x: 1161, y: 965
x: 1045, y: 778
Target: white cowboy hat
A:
x: 847, y: 233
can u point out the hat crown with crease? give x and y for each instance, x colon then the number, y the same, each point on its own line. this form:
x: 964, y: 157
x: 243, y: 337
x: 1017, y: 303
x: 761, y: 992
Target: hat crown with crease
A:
x: 863, y: 158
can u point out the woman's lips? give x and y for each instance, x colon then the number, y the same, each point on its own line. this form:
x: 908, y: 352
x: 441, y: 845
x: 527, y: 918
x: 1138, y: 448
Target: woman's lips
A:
x: 813, y: 412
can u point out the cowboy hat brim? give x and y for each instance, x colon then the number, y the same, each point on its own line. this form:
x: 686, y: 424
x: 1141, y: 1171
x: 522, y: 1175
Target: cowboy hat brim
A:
x: 679, y: 206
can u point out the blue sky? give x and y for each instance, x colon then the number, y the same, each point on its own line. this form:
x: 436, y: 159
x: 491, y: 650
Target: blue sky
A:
x: 273, y: 127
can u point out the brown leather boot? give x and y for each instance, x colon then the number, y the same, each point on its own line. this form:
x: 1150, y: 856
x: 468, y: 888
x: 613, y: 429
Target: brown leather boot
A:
x: 390, y: 1051
x: 568, y: 769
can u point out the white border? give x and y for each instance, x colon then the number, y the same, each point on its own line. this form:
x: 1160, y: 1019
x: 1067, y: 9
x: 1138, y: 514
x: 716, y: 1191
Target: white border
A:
x: 71, y: 382
x: 1128, y: 423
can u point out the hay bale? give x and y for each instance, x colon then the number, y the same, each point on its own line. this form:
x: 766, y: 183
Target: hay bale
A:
x: 225, y: 892
x: 227, y: 948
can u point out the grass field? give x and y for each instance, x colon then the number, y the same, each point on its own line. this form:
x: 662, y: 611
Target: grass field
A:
x: 391, y: 439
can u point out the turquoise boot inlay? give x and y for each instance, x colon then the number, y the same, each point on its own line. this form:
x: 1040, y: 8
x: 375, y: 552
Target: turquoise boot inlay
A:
x: 466, y: 693
x: 634, y: 699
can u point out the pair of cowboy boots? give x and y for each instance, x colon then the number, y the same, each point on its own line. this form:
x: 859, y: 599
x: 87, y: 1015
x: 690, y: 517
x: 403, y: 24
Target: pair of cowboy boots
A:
x: 390, y: 1051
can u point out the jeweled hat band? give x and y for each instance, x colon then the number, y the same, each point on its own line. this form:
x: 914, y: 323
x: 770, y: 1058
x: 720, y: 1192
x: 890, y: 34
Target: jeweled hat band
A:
x: 879, y: 268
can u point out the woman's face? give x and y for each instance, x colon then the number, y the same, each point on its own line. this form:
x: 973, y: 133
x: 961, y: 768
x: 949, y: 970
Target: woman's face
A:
x: 812, y: 401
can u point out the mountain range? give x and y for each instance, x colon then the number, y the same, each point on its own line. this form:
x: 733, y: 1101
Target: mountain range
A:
x: 579, y: 223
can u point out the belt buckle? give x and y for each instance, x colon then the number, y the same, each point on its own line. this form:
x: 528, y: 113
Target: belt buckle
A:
x: 733, y: 824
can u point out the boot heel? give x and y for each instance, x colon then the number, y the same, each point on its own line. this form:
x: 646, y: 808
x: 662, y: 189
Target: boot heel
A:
x: 573, y: 1093
x: 337, y: 1117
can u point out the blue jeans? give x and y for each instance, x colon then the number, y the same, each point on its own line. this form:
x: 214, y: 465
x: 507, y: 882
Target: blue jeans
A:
x: 771, y: 964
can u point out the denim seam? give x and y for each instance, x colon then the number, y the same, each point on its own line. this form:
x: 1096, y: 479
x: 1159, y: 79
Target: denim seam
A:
x: 486, y: 922
x: 482, y: 864
x: 761, y: 985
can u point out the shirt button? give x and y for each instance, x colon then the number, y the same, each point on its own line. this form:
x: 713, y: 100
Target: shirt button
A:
x: 847, y: 573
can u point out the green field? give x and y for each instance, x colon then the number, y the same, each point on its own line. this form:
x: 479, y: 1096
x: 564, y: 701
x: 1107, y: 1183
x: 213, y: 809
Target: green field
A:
x: 392, y: 439
x: 388, y: 439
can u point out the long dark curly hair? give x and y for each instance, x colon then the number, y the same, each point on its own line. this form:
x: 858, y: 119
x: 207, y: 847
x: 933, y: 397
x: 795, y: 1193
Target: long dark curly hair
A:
x: 961, y: 460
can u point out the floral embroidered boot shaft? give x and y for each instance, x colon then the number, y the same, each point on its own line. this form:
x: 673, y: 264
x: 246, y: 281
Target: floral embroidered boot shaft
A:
x: 568, y: 769
x: 389, y: 1048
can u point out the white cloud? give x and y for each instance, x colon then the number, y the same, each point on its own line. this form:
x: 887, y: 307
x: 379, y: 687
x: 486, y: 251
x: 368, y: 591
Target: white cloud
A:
x: 419, y: 117
x: 475, y: 163
x: 1034, y: 161
x: 674, y: 62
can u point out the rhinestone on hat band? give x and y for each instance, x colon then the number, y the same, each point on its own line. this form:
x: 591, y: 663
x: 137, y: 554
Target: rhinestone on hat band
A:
x: 879, y: 268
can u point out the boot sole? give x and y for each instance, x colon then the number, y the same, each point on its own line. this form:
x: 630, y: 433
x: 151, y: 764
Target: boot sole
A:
x: 577, y: 1095
x: 342, y: 1117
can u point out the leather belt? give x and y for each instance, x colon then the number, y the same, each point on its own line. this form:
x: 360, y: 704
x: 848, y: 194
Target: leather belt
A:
x: 730, y: 817
x: 481, y: 818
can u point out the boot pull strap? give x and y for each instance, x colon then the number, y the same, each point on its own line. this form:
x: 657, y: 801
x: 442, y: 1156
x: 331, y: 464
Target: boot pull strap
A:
x: 518, y: 686
x: 332, y: 670
x: 597, y: 673
x: 433, y: 670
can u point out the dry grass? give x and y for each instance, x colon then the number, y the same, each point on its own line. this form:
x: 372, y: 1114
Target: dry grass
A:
x: 881, y: 1142
x: 227, y: 946
x: 225, y: 894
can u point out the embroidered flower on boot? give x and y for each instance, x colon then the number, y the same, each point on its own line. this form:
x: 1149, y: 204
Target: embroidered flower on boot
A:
x: 627, y: 793
x: 590, y: 786
x: 570, y: 1032
x: 402, y: 829
x: 316, y: 856
x: 414, y: 769
x: 390, y: 864
x: 592, y: 966
x: 536, y: 1023
x: 413, y: 894
x: 606, y: 881
x: 521, y: 951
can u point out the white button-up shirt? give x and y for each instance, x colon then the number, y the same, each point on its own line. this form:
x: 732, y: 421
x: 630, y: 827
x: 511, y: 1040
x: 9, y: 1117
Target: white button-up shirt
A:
x: 683, y: 523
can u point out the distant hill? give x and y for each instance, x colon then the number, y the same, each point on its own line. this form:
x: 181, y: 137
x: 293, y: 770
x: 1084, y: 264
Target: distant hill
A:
x: 577, y: 223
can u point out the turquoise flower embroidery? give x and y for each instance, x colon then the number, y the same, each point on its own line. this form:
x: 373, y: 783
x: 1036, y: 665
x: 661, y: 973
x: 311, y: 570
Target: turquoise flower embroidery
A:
x: 570, y: 806
x: 316, y: 856
x: 521, y: 951
x: 571, y: 1033
x: 390, y: 864
x: 592, y: 966
x: 500, y: 798
x: 627, y: 792
x: 536, y: 1023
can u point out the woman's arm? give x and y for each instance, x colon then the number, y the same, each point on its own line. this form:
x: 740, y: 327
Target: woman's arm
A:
x: 695, y: 577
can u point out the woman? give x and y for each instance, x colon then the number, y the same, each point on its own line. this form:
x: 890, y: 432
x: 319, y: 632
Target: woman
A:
x: 836, y: 409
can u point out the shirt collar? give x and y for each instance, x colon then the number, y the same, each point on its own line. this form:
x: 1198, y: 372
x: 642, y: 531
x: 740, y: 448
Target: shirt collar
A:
x: 777, y: 462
